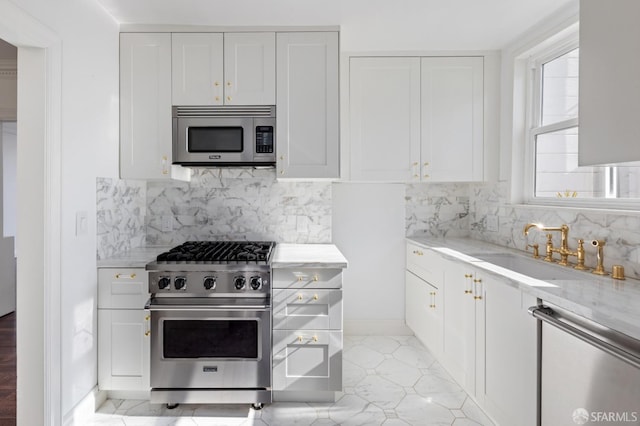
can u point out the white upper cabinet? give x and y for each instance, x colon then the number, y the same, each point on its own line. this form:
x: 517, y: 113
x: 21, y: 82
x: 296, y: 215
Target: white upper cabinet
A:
x: 250, y: 68
x: 609, y: 85
x: 223, y: 69
x: 416, y: 119
x: 452, y: 115
x: 384, y: 119
x: 307, y: 129
x: 145, y: 105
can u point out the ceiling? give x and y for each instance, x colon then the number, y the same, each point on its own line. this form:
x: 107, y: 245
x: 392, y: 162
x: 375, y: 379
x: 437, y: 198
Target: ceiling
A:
x: 365, y: 24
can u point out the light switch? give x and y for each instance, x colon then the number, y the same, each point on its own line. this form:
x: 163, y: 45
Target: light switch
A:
x: 82, y: 223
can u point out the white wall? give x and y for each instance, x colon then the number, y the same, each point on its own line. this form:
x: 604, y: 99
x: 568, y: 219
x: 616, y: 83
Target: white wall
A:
x: 9, y: 162
x: 368, y: 226
x: 89, y: 136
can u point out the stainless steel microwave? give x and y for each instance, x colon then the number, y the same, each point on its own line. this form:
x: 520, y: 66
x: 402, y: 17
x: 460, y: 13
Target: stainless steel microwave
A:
x: 224, y: 136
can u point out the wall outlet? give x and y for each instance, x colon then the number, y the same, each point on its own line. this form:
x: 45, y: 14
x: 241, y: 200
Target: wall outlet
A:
x: 82, y: 223
x: 167, y: 223
x: 492, y: 223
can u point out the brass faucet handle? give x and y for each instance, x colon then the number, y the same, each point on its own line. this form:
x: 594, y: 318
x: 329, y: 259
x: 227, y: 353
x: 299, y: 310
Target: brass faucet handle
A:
x: 535, y: 247
x: 580, y: 256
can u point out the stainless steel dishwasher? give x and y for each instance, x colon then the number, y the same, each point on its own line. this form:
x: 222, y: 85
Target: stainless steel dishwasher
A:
x: 589, y: 374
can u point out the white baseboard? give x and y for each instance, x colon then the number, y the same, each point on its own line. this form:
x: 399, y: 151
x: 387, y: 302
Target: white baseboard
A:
x: 79, y: 414
x: 376, y: 327
x: 141, y: 395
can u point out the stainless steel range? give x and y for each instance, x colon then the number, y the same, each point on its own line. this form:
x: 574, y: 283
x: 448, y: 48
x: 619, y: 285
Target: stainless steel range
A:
x: 211, y: 323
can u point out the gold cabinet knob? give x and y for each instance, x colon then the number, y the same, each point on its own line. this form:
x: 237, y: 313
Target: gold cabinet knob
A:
x: 281, y: 172
x: 228, y: 83
x: 217, y: 98
x: 315, y: 278
x: 282, y: 157
x: 315, y: 338
x: 426, y: 163
x: 300, y: 278
x: 315, y: 297
x: 427, y: 176
x: 216, y: 83
x: 228, y: 98
x: 415, y: 164
x: 416, y: 176
x: 299, y: 338
x: 299, y: 297
x: 147, y: 333
x: 147, y: 318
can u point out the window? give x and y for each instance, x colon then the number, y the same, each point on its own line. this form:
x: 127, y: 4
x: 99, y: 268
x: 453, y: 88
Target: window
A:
x: 553, y: 138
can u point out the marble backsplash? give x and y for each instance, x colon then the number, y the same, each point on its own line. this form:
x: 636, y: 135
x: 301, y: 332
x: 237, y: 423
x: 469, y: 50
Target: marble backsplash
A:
x: 620, y: 229
x: 238, y: 203
x: 120, y: 215
x: 437, y: 209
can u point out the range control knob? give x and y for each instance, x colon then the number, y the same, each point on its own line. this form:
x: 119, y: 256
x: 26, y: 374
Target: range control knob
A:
x: 209, y: 283
x: 239, y: 282
x: 180, y: 283
x: 255, y: 283
x: 164, y: 282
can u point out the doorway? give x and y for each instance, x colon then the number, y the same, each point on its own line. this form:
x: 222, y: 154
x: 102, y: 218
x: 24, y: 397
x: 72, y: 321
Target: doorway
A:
x: 8, y: 140
x: 38, y: 215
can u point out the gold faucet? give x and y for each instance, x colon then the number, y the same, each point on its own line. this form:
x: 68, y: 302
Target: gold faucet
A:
x: 563, y: 250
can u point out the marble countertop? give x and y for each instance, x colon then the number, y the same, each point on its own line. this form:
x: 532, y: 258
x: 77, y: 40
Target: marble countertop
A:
x: 611, y: 303
x: 134, y: 258
x: 308, y: 255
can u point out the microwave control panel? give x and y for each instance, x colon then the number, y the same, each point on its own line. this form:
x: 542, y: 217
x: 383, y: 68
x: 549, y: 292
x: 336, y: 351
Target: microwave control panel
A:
x: 264, y: 140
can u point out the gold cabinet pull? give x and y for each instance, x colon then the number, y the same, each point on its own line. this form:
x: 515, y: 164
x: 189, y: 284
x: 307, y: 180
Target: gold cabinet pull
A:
x: 299, y: 277
x: 427, y: 176
x: 415, y: 163
x: 418, y: 252
x: 315, y: 297
x: 130, y: 276
x: 426, y: 163
x: 299, y: 338
x: 479, y: 280
x: 477, y: 297
x: 468, y: 275
x: 228, y: 98
x: 299, y: 297
x: 315, y: 278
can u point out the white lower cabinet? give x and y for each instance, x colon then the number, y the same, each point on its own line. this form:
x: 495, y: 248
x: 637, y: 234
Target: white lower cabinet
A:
x: 307, y: 360
x: 123, y: 330
x: 307, y: 333
x: 484, y: 336
x: 123, y: 349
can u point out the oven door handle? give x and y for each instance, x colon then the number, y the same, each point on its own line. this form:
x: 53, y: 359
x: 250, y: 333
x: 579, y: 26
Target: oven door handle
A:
x: 209, y: 308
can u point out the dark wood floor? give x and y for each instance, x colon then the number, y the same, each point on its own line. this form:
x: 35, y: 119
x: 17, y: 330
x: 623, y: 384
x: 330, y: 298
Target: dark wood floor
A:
x: 8, y: 370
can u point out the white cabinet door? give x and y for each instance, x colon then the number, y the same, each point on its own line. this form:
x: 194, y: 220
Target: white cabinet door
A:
x: 459, y: 324
x: 123, y: 349
x: 452, y: 119
x: 197, y: 68
x: 424, y: 306
x: 250, y: 68
x: 307, y: 360
x: 384, y: 119
x: 145, y: 105
x: 307, y: 127
x: 609, y: 89
x: 506, y: 342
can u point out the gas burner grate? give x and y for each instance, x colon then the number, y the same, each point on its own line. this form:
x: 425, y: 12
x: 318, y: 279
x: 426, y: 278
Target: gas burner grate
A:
x: 219, y: 252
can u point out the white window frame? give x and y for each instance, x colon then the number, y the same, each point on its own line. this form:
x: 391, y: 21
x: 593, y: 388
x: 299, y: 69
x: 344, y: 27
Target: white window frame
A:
x: 534, y: 128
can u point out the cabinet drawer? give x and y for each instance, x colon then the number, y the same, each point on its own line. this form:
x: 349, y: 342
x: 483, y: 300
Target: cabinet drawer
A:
x: 307, y: 278
x: 307, y: 360
x: 425, y: 263
x: 307, y: 309
x: 122, y: 288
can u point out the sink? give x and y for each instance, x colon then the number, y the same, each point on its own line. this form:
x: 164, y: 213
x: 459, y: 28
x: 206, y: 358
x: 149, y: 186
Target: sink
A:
x: 534, y: 268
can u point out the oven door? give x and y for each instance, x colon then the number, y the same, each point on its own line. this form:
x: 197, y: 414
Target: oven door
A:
x: 196, y: 346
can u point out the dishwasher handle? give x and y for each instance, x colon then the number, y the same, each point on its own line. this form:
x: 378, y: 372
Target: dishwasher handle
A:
x: 546, y: 314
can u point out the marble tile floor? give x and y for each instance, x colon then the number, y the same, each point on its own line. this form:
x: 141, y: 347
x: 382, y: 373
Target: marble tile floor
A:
x: 390, y: 381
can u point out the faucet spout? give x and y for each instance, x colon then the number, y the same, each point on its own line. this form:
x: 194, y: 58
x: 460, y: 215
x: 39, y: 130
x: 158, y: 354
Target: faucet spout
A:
x: 528, y: 226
